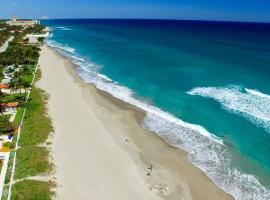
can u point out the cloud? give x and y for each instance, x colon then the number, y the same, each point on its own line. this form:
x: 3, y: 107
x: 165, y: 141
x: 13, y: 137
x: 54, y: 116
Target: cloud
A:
x: 15, y: 4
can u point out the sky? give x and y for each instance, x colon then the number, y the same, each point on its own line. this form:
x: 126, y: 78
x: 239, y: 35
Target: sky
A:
x: 223, y: 10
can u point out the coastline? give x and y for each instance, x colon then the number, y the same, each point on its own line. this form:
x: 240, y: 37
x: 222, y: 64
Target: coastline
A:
x: 110, y: 156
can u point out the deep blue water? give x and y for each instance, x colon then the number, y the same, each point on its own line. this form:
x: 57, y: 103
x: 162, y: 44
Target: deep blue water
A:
x: 204, y: 85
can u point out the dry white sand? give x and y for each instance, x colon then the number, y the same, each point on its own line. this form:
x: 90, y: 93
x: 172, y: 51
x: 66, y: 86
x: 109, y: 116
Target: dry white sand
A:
x: 92, y: 158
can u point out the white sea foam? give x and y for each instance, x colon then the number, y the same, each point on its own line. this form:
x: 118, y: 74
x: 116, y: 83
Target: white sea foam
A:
x: 104, y: 77
x: 204, y: 149
x: 59, y: 46
x: 66, y: 29
x: 69, y: 49
x: 63, y: 28
x: 250, y: 104
x: 78, y: 58
x: 257, y: 93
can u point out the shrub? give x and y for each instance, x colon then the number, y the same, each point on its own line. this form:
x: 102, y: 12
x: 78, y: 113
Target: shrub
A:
x: 5, y: 125
x: 9, y: 145
x: 32, y: 190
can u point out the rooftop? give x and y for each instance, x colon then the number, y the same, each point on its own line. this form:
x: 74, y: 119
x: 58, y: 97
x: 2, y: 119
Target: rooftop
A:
x: 11, y: 104
x: 3, y: 86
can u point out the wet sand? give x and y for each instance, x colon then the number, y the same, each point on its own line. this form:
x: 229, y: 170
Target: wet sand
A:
x: 101, y: 151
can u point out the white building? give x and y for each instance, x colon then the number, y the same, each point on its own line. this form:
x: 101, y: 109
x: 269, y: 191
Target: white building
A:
x: 25, y: 23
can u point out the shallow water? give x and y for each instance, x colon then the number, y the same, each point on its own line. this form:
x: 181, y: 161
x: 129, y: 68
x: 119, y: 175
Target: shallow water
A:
x: 205, y: 87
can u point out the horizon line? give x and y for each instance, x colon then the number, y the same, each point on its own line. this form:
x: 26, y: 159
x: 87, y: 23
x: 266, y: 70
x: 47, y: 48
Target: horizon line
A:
x: 165, y: 19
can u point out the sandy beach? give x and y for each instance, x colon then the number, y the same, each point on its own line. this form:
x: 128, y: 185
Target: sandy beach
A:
x: 101, y: 151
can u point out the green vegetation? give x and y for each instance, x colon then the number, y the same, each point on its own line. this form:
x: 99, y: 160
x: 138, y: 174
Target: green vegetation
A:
x: 32, y: 190
x: 9, y: 145
x: 37, y: 29
x: 13, y: 98
x: 8, y: 175
x: 19, y: 61
x: 1, y: 73
x: 3, y: 37
x: 19, y: 54
x: 4, y: 33
x: 35, y: 130
x: 38, y: 75
x: 5, y: 125
x: 37, y: 125
x: 18, y: 116
x: 41, y: 40
x: 28, y: 78
x: 32, y: 161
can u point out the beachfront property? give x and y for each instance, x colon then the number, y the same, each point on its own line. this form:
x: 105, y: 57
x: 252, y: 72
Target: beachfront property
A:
x: 18, y: 66
x: 10, y: 107
x: 4, y: 88
x: 34, y: 38
x: 25, y: 23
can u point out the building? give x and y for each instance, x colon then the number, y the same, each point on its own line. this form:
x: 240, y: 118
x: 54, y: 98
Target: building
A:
x: 25, y: 23
x: 4, y: 88
x: 10, y: 107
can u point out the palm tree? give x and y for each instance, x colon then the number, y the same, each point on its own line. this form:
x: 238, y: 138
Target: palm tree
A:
x: 13, y: 85
x: 41, y: 40
x: 16, y: 75
x: 25, y: 85
x: 20, y: 82
x: 26, y: 70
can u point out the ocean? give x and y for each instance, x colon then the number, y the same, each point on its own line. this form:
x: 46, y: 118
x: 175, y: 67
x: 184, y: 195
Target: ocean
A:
x: 205, y: 87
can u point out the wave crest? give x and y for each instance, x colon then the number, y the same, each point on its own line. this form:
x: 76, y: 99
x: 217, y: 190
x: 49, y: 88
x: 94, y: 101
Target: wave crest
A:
x: 59, y: 46
x: 62, y: 28
x: 205, y: 150
x: 253, y: 105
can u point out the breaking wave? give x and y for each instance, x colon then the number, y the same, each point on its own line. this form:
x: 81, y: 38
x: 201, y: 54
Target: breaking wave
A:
x: 64, y: 48
x: 62, y: 28
x: 205, y: 150
x: 253, y: 105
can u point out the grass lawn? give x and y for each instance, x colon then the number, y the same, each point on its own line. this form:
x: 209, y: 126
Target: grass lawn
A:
x: 1, y: 73
x: 13, y: 97
x: 32, y: 190
x: 28, y: 78
x: 18, y: 116
x: 38, y: 75
x: 32, y: 161
x: 4, y: 118
x: 37, y: 125
x: 9, y: 170
x: 5, y: 192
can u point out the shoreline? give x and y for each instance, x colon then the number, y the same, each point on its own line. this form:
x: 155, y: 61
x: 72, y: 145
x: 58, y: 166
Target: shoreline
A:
x: 172, y: 176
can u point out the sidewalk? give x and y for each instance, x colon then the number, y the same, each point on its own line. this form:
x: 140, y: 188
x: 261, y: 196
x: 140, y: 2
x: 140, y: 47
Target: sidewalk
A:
x: 5, y: 45
x: 4, y: 170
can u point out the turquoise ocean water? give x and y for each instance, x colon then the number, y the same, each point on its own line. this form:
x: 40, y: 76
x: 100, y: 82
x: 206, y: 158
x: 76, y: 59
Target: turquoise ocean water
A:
x: 204, y: 85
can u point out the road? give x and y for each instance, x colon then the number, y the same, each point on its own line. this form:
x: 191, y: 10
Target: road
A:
x: 4, y: 47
